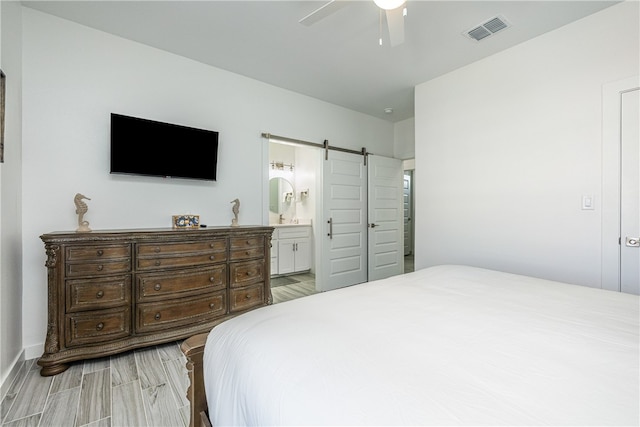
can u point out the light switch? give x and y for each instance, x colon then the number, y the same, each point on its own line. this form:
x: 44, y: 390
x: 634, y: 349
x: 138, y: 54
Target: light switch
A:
x: 587, y: 202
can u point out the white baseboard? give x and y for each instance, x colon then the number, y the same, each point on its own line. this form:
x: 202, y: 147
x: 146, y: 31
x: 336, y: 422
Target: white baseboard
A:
x: 33, y: 351
x: 8, y: 379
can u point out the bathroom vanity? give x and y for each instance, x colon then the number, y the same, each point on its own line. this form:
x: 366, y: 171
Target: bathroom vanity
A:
x: 291, y: 249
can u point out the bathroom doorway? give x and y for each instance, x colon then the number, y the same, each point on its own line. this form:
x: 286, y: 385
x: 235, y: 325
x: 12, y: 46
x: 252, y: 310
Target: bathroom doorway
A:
x: 296, y: 203
x: 409, y: 217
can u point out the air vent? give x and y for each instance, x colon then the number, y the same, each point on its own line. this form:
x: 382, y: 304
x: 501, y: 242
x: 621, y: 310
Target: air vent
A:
x: 479, y: 33
x: 487, y: 29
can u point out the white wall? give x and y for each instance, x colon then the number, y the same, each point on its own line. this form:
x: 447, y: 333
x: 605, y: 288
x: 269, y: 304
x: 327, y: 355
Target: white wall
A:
x: 507, y: 146
x: 308, y: 175
x: 10, y: 194
x: 404, y: 139
x: 75, y: 76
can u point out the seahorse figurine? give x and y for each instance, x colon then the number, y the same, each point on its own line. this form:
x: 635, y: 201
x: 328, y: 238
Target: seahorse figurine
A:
x: 236, y: 211
x: 81, y: 209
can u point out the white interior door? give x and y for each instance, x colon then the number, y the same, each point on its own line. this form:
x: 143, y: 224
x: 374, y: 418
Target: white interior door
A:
x: 630, y: 193
x: 612, y: 177
x: 408, y: 209
x: 344, y: 246
x: 386, y: 217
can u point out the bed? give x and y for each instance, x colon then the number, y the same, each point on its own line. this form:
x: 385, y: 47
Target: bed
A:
x: 447, y: 345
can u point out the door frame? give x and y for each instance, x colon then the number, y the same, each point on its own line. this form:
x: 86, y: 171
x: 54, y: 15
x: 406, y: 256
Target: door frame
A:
x: 611, y: 170
x: 409, y: 225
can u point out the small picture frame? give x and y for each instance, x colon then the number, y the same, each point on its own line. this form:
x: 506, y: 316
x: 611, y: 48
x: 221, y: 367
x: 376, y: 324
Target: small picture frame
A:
x: 185, y: 221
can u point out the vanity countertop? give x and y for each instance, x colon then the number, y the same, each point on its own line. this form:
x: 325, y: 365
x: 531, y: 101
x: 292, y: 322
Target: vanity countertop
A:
x: 306, y: 224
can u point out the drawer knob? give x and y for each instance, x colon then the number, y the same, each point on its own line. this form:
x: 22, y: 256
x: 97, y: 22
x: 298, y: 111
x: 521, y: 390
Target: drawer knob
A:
x: 157, y: 263
x: 100, y: 267
x: 100, y: 326
x: 99, y: 294
x: 100, y: 252
x: 212, y: 306
x: 212, y: 279
x: 157, y: 316
x: 248, y: 252
x: 247, y: 296
x: 156, y: 249
x: 212, y: 257
x: 249, y: 242
x: 212, y: 245
x: 157, y: 286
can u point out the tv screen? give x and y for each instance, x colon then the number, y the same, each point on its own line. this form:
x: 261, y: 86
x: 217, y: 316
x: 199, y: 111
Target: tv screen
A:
x: 146, y: 147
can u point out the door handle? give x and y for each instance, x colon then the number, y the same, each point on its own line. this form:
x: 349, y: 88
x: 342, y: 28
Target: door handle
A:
x: 632, y: 242
x: 372, y: 225
x: 330, y: 233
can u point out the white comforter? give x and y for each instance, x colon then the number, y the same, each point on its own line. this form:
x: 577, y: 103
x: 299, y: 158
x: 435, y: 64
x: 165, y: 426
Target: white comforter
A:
x: 448, y: 345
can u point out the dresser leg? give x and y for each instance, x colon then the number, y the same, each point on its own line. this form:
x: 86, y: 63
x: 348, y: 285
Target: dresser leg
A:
x: 49, y: 370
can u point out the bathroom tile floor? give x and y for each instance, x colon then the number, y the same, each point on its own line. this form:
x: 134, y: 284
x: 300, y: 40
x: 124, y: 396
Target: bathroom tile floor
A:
x: 291, y: 287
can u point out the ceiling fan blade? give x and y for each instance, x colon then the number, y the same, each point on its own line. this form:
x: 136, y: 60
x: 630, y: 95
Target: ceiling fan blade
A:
x: 322, y: 12
x: 395, y: 23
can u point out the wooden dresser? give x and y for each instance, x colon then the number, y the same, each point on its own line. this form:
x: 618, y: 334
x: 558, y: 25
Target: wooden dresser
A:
x: 113, y: 291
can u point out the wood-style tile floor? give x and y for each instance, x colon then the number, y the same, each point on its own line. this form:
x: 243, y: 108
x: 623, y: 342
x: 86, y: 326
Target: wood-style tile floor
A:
x: 292, y: 287
x: 145, y: 387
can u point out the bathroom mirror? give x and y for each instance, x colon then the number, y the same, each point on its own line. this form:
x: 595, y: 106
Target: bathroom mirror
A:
x: 281, y: 196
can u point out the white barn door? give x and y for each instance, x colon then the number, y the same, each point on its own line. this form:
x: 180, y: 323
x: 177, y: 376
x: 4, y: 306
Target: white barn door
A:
x: 386, y: 217
x: 344, y: 245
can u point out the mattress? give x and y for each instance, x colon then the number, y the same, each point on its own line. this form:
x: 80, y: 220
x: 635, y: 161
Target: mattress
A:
x: 447, y: 345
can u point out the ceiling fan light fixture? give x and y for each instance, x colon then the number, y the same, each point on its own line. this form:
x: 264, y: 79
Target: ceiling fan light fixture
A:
x: 389, y: 4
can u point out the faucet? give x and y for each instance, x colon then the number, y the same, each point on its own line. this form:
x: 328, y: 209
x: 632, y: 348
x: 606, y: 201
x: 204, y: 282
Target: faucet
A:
x: 281, y: 219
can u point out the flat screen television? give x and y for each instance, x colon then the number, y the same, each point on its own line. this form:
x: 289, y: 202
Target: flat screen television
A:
x: 147, y: 147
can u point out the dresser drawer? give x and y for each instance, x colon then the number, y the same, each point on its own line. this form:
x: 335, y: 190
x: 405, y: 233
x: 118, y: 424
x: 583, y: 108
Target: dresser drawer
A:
x: 247, y: 253
x: 98, y: 293
x: 214, y: 245
x: 245, y: 273
x: 180, y: 284
x: 188, y: 311
x: 97, y: 268
x: 182, y: 261
x: 245, y: 298
x: 97, y: 252
x: 247, y: 247
x: 97, y: 326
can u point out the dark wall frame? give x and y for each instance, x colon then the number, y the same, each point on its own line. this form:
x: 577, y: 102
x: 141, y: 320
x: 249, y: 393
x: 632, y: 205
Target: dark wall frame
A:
x: 2, y: 99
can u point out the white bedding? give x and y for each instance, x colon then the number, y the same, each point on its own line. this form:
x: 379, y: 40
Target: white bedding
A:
x: 447, y: 345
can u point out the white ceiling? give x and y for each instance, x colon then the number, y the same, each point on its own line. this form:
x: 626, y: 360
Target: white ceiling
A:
x: 338, y: 59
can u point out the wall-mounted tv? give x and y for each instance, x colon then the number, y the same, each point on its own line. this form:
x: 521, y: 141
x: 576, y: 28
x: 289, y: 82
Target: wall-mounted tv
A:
x: 147, y: 147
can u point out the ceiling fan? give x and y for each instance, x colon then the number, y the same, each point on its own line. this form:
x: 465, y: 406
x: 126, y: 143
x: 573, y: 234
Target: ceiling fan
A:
x: 395, y: 12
